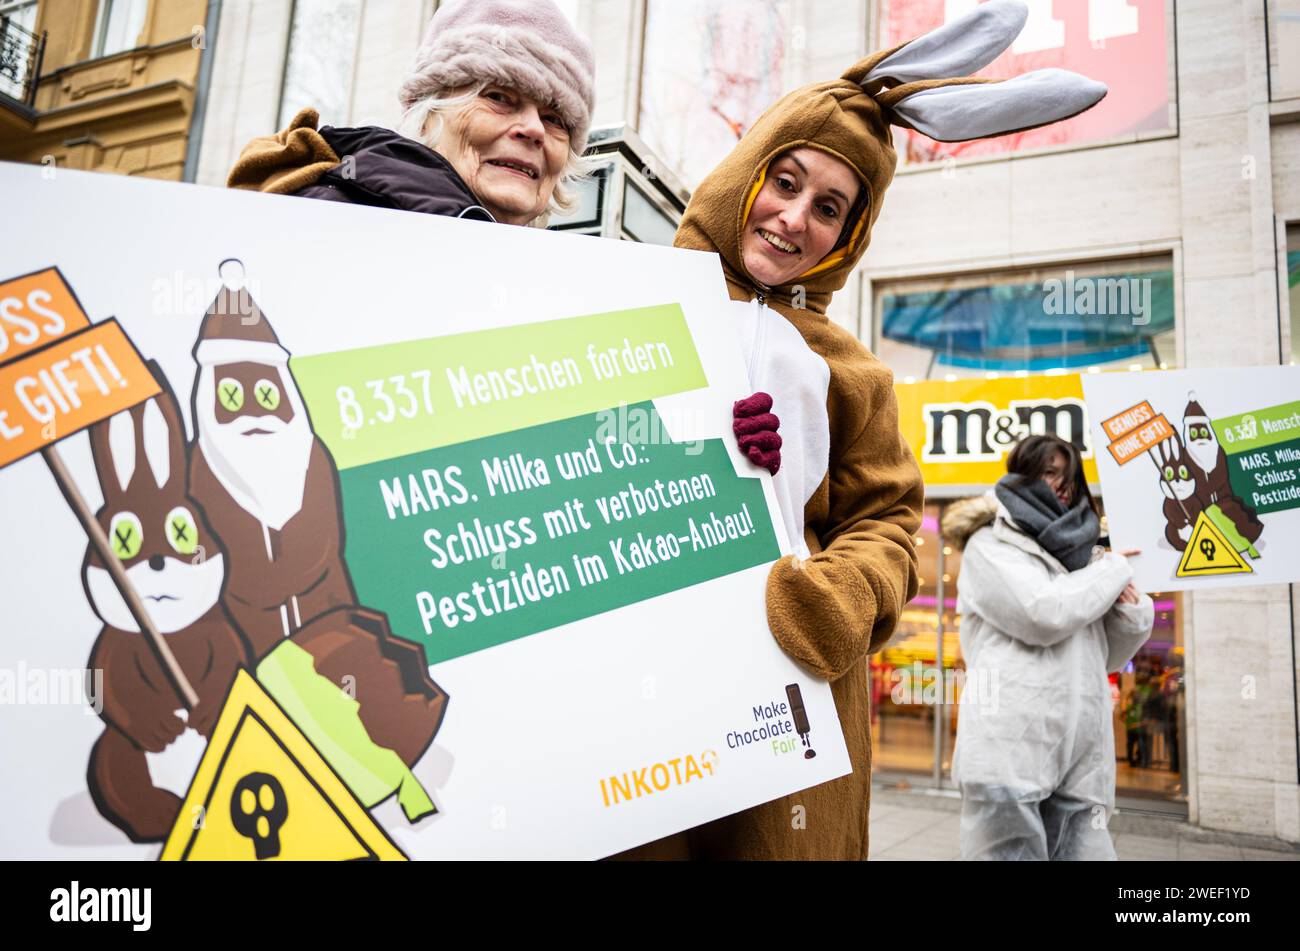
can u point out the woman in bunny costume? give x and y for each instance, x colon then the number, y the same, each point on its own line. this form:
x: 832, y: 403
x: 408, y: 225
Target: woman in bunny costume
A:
x: 850, y: 488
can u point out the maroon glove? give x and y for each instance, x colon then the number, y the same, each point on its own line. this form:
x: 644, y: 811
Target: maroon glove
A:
x: 755, y: 428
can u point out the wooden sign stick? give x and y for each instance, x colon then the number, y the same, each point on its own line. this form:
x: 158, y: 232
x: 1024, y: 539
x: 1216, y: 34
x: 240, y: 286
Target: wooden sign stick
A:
x: 1156, y: 462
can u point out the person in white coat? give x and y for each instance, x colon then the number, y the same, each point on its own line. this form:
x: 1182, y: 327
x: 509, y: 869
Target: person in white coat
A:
x: 1046, y: 615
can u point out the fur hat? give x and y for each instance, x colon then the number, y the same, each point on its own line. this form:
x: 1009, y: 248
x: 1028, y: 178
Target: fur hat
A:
x: 526, y: 45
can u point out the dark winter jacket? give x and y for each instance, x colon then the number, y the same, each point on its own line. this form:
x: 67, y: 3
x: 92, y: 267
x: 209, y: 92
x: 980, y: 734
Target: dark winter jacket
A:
x: 364, y: 166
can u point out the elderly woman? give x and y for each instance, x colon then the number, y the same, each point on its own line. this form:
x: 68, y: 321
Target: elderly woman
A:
x: 495, y: 119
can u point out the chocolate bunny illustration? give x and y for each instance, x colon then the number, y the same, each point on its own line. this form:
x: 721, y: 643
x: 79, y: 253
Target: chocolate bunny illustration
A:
x: 176, y: 564
x: 1178, y: 483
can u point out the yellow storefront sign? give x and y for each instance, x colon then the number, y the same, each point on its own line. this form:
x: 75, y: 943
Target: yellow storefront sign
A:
x: 962, y: 430
x: 263, y: 792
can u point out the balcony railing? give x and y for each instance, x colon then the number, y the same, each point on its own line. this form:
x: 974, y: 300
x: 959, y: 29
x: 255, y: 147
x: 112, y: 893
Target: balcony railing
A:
x: 21, y: 52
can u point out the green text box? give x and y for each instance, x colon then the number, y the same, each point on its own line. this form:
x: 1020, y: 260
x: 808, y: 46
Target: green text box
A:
x: 394, y: 508
x: 1267, y: 479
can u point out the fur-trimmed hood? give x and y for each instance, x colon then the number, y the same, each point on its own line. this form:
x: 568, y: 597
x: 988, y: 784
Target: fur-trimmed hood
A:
x: 963, y: 519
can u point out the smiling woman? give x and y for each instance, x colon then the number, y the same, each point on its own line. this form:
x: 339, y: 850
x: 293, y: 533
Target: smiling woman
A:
x: 496, y: 111
x: 801, y: 211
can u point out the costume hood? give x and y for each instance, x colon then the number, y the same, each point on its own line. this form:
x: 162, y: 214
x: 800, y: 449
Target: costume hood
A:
x: 922, y: 84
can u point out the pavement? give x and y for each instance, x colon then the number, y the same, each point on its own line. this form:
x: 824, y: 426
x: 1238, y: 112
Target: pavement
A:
x: 923, y: 826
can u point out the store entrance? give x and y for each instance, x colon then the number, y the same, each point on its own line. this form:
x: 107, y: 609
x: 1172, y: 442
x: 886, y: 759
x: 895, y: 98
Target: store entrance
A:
x: 917, y: 680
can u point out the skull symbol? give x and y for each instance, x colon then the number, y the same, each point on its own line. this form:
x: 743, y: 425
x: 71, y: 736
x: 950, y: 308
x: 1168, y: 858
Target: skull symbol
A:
x: 258, y: 809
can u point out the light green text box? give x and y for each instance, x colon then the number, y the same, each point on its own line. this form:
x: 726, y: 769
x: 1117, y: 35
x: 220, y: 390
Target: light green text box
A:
x: 392, y: 400
x: 1259, y: 428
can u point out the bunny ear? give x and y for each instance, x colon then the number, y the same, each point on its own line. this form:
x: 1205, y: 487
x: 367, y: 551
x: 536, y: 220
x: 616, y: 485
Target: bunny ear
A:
x: 959, y: 48
x: 934, y: 93
x: 112, y: 446
x: 163, y: 433
x: 955, y: 111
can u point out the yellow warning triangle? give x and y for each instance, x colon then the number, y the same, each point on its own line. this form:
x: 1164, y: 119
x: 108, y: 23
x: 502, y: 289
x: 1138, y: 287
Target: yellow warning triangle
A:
x: 1210, y: 553
x: 262, y: 791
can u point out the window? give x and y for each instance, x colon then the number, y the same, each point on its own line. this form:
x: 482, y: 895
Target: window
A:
x: 1123, y: 43
x: 1293, y: 288
x: 1107, y: 315
x: 119, y: 25
x: 710, y: 69
x: 17, y: 47
x: 19, y: 12
x: 1284, y: 48
x: 321, y: 58
x: 644, y: 220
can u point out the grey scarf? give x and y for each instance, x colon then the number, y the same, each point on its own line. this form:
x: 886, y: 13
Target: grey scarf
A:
x: 1068, y: 535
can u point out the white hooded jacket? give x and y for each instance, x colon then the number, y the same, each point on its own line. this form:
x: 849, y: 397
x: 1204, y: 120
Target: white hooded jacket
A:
x: 1038, y: 641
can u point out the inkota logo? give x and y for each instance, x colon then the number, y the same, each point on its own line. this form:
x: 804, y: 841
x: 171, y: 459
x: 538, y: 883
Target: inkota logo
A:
x: 659, y: 777
x: 103, y: 904
x: 978, y: 431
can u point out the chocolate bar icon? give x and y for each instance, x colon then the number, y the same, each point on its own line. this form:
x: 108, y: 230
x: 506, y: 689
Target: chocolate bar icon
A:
x: 800, y: 714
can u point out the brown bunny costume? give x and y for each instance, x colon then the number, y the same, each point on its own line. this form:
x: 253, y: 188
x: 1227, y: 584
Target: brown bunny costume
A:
x: 830, y: 610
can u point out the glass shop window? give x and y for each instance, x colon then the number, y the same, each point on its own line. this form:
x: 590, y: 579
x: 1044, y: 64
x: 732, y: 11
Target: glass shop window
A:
x: 1086, y: 318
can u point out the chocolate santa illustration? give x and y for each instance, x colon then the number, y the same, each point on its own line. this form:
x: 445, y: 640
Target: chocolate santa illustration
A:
x: 260, y: 472
x: 1209, y: 467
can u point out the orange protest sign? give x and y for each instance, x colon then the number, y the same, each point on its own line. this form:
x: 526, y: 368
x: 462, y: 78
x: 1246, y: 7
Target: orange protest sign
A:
x: 68, y: 385
x: 1121, y: 424
x: 1137, y: 441
x: 37, y: 309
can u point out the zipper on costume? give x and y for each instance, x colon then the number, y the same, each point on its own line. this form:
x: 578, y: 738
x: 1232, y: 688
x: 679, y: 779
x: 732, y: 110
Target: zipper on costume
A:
x: 760, y: 331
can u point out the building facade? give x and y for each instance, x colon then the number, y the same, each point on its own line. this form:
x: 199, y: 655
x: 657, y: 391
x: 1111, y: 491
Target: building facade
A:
x: 101, y: 85
x: 1186, y: 180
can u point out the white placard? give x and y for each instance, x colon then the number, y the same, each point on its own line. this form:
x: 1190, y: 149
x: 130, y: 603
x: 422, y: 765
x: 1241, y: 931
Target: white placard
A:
x: 1200, y: 470
x: 538, y: 730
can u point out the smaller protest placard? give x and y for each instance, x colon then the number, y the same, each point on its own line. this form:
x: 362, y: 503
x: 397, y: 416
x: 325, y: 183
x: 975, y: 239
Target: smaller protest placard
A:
x: 1220, y: 502
x: 1135, y: 431
x: 36, y: 309
x: 67, y: 386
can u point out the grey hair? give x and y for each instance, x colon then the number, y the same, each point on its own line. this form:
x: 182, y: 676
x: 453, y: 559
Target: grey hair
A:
x: 425, y: 121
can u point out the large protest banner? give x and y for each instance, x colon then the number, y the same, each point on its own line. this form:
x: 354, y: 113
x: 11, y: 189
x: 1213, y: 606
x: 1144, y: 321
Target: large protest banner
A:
x: 441, y: 526
x: 1200, y: 470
